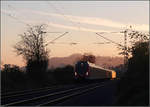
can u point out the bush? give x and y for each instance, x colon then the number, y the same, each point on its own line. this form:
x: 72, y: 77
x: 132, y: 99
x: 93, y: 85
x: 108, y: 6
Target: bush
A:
x: 13, y: 79
x: 36, y: 71
x: 133, y: 87
x: 64, y: 75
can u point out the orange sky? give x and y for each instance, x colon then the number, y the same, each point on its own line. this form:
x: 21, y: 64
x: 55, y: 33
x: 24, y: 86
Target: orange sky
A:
x: 81, y: 19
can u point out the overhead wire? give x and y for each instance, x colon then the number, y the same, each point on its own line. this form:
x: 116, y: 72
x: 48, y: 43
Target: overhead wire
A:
x: 56, y: 9
x: 14, y: 8
x: 52, y: 41
x: 65, y: 32
x: 17, y: 19
x: 109, y: 40
x: 102, y: 5
x: 53, y: 32
x: 78, y: 23
x: 20, y: 21
x: 108, y: 32
x: 101, y: 43
x: 66, y: 17
x: 46, y: 32
x: 70, y: 43
x: 60, y: 12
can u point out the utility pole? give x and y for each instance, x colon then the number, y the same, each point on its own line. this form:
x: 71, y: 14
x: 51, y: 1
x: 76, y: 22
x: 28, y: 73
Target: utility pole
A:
x: 124, y: 47
x: 125, y: 50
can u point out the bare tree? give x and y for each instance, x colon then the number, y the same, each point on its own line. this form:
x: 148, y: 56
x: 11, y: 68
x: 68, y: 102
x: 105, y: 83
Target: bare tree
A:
x: 136, y: 37
x: 32, y: 48
x: 88, y: 57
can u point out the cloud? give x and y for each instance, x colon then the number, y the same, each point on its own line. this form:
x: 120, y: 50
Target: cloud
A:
x: 101, y: 22
x: 87, y: 20
x: 55, y: 24
x: 95, y: 21
x: 76, y: 28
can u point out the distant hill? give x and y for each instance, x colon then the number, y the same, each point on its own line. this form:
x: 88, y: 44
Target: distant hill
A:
x: 62, y: 61
x: 103, y: 61
x: 106, y: 61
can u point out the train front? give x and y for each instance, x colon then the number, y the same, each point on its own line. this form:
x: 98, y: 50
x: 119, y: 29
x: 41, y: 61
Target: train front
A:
x: 81, y: 70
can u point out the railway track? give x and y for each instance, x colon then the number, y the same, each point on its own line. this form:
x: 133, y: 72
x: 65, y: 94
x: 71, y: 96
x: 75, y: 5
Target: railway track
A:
x: 9, y: 94
x: 27, y: 94
x: 5, y: 94
x: 49, y: 96
x: 64, y: 98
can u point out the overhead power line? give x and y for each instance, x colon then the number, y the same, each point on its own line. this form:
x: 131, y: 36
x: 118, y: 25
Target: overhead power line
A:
x: 110, y: 40
x: 13, y: 8
x: 101, y: 43
x: 52, y: 41
x: 54, y: 32
x: 70, y: 43
x: 78, y: 23
x: 60, y: 12
x: 74, y: 43
x: 13, y: 17
x: 124, y: 47
x: 108, y: 32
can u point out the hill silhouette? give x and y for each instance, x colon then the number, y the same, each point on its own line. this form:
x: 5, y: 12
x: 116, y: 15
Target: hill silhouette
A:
x: 103, y: 61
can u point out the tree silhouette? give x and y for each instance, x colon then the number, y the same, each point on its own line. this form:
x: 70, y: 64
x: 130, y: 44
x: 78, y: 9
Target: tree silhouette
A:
x: 12, y: 78
x: 133, y: 87
x: 33, y: 49
x: 136, y: 37
x: 88, y: 57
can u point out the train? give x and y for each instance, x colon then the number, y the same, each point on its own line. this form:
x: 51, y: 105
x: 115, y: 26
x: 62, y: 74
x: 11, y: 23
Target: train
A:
x: 87, y: 70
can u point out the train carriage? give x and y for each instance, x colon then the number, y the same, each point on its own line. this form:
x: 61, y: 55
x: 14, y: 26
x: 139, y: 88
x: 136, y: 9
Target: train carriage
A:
x: 86, y: 70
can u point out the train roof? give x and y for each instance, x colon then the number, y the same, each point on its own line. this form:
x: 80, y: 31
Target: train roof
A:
x: 96, y: 66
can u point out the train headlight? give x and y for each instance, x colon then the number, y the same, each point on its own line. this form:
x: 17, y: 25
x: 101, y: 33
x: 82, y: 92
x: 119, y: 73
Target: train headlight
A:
x: 75, y: 73
x: 87, y: 73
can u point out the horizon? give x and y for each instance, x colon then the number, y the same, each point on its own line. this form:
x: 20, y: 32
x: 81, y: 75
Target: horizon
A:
x: 55, y: 57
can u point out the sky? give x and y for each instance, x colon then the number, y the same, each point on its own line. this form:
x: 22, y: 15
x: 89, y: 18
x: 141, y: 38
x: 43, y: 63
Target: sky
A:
x: 81, y: 19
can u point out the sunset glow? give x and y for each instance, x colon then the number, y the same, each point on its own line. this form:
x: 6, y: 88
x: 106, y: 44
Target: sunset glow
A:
x: 81, y: 19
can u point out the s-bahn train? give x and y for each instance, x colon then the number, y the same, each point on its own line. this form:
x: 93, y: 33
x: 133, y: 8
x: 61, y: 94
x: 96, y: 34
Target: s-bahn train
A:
x: 86, y: 70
